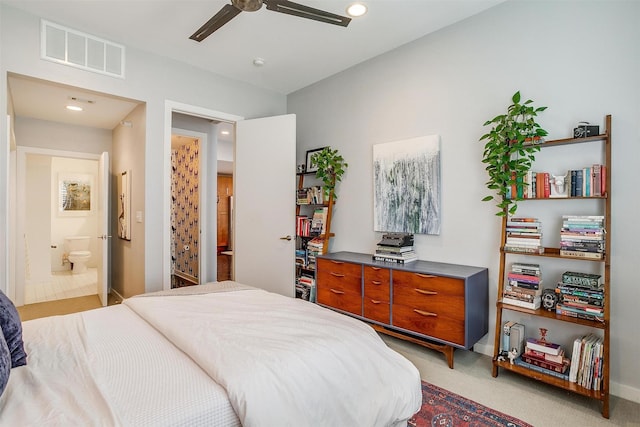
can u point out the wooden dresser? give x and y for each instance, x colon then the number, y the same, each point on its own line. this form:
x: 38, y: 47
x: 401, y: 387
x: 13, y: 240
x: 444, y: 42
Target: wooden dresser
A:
x: 437, y: 305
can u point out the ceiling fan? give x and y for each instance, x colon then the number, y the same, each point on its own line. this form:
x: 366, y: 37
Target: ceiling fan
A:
x: 229, y: 11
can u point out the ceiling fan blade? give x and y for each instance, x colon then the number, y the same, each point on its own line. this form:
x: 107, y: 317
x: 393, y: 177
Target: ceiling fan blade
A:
x: 291, y: 8
x: 226, y: 14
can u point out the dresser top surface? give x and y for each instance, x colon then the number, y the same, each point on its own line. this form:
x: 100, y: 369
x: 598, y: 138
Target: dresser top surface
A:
x: 420, y: 266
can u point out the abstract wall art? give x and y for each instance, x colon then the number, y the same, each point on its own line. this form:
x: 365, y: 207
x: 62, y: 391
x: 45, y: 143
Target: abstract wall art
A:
x: 74, y: 194
x: 124, y: 205
x: 406, y: 185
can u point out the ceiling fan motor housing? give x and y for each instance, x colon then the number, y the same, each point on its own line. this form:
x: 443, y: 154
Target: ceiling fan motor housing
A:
x: 247, y: 5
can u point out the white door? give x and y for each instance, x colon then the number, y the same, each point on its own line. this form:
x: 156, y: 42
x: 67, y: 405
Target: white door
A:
x: 264, y: 197
x: 103, y: 229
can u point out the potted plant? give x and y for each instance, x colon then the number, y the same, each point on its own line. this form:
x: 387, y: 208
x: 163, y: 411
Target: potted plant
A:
x: 331, y: 166
x: 509, y: 151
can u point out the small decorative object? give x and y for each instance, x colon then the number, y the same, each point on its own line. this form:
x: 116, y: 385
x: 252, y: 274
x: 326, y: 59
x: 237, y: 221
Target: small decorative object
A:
x: 543, y: 335
x: 513, y: 355
x: 301, y: 168
x: 558, y: 186
x: 549, y: 299
x: 329, y: 166
x: 509, y: 150
x: 584, y: 129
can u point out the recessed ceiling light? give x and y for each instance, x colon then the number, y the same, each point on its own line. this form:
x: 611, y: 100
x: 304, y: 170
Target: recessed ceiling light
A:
x: 356, y: 9
x: 74, y: 108
x: 225, y: 132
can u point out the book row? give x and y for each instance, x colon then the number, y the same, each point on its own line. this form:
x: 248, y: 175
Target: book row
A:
x: 589, y: 181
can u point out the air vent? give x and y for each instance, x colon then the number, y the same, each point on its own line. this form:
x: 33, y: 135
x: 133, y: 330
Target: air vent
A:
x: 70, y: 47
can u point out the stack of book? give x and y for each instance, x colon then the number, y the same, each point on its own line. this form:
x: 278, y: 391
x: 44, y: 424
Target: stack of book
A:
x: 319, y: 220
x: 582, y: 236
x: 396, y: 248
x: 524, y: 235
x: 314, y: 248
x: 310, y: 196
x: 524, y: 286
x: 306, y: 288
x: 581, y: 295
x: 587, y: 358
x: 546, y: 357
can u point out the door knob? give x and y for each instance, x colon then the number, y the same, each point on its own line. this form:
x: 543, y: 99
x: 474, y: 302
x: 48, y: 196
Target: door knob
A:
x: 286, y: 238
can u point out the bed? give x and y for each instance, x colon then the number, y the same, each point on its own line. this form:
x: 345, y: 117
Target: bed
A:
x: 221, y: 354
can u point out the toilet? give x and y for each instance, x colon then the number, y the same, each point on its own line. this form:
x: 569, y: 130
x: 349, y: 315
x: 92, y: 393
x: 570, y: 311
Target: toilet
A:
x: 78, y: 254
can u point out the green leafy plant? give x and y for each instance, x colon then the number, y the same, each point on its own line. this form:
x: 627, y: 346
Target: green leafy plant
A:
x: 331, y: 167
x: 509, y: 151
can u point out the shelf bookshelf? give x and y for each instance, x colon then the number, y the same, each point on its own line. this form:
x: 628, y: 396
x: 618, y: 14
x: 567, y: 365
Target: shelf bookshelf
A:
x: 554, y: 252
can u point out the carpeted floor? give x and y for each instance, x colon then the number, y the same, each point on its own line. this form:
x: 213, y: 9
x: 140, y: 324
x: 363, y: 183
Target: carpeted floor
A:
x: 442, y: 408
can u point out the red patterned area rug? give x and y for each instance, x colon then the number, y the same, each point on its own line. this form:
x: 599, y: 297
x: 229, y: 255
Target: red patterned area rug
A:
x: 441, y: 408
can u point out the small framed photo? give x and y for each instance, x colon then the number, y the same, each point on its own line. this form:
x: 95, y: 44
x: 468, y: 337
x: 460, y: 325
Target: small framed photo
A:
x: 310, y: 153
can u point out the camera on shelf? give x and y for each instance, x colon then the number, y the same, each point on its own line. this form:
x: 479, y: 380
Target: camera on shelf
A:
x: 585, y: 129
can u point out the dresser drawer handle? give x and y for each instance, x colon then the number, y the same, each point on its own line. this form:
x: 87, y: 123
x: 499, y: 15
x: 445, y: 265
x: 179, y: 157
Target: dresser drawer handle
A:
x: 337, y: 274
x: 335, y: 291
x: 423, y: 292
x: 426, y: 276
x: 375, y: 301
x: 337, y: 262
x: 376, y: 282
x: 425, y: 313
x: 376, y: 268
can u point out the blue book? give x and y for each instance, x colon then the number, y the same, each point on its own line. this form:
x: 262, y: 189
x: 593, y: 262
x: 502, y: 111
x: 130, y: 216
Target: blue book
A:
x: 524, y: 364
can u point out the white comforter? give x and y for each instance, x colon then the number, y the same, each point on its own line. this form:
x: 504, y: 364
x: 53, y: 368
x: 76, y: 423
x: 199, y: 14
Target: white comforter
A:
x: 108, y: 367
x: 287, y: 362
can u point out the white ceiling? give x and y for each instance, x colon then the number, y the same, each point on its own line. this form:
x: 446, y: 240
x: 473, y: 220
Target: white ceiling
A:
x: 297, y: 51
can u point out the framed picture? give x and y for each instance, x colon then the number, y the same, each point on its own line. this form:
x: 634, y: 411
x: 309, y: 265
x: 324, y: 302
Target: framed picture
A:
x: 124, y: 205
x: 75, y: 197
x: 310, y: 153
x: 406, y: 185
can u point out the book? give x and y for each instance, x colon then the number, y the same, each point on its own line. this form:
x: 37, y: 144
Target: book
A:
x: 506, y: 333
x: 561, y: 367
x: 524, y: 364
x: 393, y: 260
x: 553, y: 358
x: 543, y: 346
x: 578, y: 254
x: 513, y: 337
x: 582, y: 279
x: 533, y: 305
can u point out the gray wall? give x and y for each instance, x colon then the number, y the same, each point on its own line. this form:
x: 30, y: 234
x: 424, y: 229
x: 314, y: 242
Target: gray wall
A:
x: 149, y: 78
x: 581, y: 59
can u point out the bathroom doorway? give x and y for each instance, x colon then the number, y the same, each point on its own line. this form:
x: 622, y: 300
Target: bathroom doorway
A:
x: 58, y: 195
x: 186, y: 153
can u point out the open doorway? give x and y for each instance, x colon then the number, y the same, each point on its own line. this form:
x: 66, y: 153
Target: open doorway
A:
x: 60, y: 227
x: 201, y: 189
x: 216, y: 156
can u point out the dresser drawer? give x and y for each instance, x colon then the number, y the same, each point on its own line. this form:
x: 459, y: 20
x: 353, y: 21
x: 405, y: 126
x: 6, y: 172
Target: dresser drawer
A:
x: 376, y: 283
x: 429, y: 305
x: 339, y: 285
x: 342, y: 300
x: 377, y: 310
x: 344, y: 276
